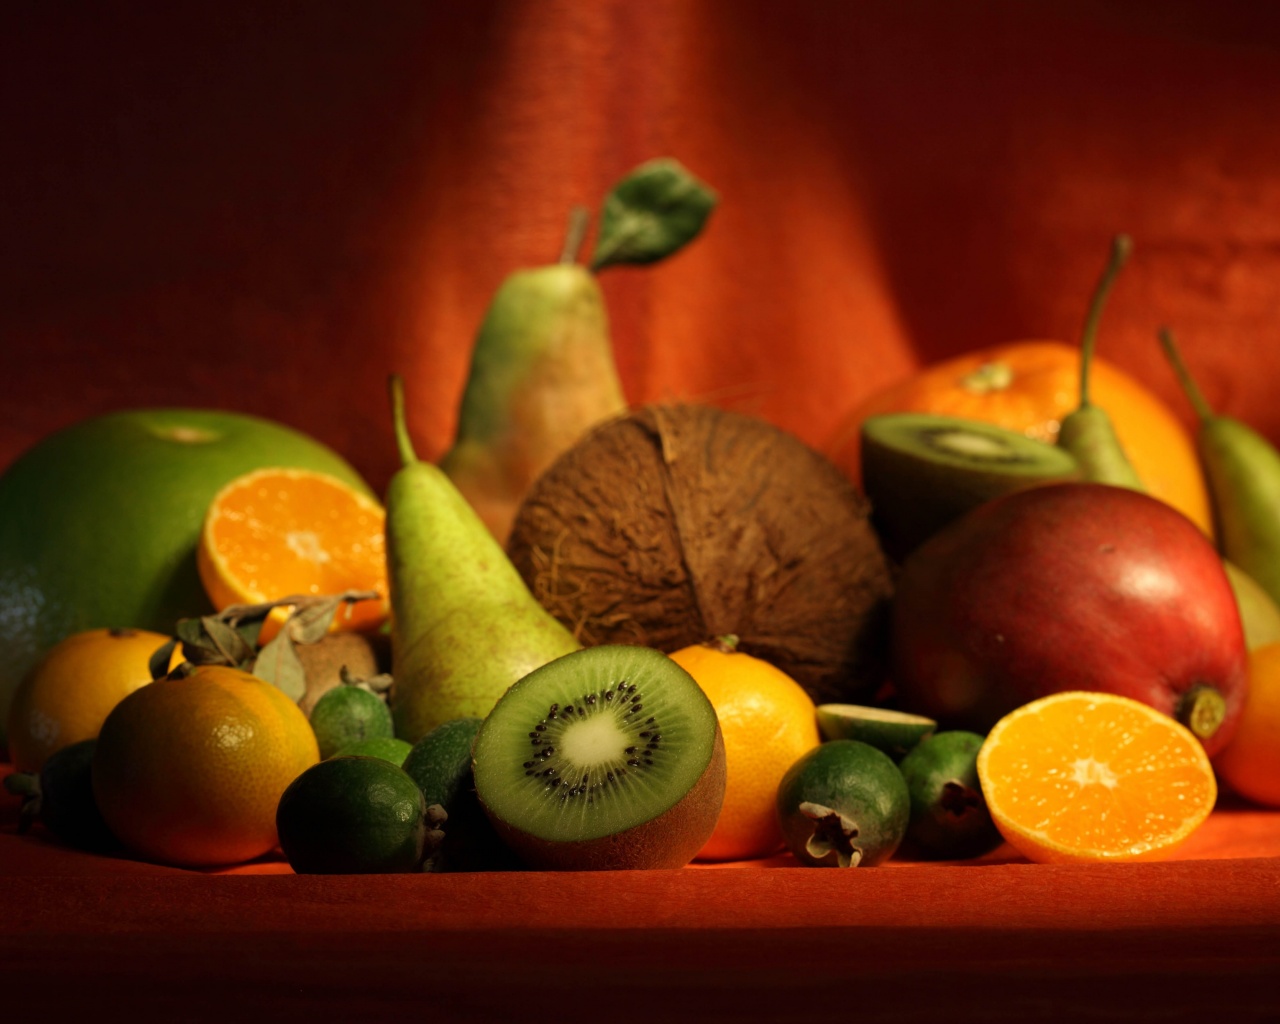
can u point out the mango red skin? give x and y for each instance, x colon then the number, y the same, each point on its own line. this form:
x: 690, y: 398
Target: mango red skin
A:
x: 1073, y: 586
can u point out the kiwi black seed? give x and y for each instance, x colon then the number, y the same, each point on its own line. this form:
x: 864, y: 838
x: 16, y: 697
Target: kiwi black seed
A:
x: 921, y: 471
x: 609, y: 757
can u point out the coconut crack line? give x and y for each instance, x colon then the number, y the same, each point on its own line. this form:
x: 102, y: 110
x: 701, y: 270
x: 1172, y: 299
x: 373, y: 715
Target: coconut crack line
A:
x: 603, y: 740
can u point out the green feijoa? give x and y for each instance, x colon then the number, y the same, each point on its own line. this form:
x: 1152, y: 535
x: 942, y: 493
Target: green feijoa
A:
x: 347, y: 714
x: 440, y: 763
x: 353, y: 815
x: 389, y: 748
x: 894, y: 732
x: 61, y: 797
x: 843, y: 804
x: 949, y: 817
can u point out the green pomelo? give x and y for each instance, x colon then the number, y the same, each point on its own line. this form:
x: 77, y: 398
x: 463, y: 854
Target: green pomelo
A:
x: 99, y: 522
x: 843, y: 804
x: 353, y: 815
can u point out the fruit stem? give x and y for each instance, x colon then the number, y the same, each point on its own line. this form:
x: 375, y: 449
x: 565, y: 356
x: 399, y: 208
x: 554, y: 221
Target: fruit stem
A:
x: 579, y: 218
x: 726, y: 644
x: 1202, y: 709
x: 1192, y: 390
x: 407, y: 455
x: 1121, y: 246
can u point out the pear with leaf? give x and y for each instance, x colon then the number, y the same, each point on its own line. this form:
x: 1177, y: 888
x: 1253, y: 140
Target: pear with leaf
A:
x: 542, y: 368
x: 464, y: 626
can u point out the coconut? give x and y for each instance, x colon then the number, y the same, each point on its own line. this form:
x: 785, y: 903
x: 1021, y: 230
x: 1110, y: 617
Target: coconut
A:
x: 681, y: 522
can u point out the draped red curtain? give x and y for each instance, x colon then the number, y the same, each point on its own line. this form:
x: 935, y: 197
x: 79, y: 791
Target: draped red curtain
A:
x: 269, y: 207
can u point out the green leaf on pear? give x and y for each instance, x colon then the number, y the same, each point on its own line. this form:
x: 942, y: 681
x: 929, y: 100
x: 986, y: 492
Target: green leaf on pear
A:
x: 651, y: 213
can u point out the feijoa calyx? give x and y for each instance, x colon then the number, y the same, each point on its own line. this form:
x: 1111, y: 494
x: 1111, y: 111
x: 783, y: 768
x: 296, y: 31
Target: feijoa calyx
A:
x: 843, y: 804
x: 606, y: 758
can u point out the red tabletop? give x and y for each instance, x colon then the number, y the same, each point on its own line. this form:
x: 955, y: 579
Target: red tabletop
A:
x: 992, y: 939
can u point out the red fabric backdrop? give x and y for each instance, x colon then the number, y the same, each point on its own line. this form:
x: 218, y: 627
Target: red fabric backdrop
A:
x: 269, y: 207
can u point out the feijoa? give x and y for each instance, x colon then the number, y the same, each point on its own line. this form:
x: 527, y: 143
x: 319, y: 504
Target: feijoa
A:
x: 61, y: 798
x: 843, y: 804
x: 347, y: 714
x: 949, y: 817
x: 440, y: 763
x: 894, y: 732
x: 353, y: 815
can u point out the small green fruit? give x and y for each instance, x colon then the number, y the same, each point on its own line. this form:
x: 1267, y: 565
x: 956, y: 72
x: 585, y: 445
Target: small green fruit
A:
x: 843, y: 804
x: 347, y: 715
x: 353, y: 815
x: 949, y: 817
x: 440, y: 763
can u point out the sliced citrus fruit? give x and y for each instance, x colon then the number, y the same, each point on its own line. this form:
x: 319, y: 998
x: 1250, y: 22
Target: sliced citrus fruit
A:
x: 274, y: 533
x: 1086, y: 777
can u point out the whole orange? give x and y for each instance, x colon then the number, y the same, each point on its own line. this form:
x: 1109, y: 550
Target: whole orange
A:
x: 768, y: 721
x: 1250, y: 763
x: 189, y: 770
x: 1029, y: 386
x: 66, y: 697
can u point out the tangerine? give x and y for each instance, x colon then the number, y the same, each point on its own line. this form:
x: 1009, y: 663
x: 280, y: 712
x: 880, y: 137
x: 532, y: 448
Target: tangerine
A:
x: 66, y: 697
x: 1029, y: 386
x: 189, y: 770
x: 273, y: 533
x: 1081, y: 777
x: 768, y: 721
x: 1250, y: 763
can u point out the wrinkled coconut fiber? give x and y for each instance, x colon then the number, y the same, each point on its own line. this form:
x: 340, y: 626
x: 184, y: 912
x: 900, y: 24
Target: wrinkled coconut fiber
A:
x: 679, y: 523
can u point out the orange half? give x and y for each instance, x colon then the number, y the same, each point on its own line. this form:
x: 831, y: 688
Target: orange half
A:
x: 1088, y: 777
x: 274, y: 533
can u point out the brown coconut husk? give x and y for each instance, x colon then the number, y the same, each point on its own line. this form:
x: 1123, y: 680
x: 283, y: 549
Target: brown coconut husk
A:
x: 679, y: 523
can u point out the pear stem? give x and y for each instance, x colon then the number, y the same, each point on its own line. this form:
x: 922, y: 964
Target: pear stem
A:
x: 575, y: 234
x: 1121, y: 246
x: 1192, y: 390
x: 407, y: 455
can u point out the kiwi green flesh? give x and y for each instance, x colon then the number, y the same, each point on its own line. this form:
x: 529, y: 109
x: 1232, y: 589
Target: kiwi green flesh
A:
x: 593, y: 744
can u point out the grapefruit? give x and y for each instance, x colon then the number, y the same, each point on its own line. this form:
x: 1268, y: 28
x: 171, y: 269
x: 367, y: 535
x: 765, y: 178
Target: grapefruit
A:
x: 99, y: 522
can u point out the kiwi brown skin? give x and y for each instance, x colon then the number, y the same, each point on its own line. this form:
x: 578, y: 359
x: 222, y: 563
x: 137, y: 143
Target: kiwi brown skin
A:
x: 324, y: 660
x: 671, y: 840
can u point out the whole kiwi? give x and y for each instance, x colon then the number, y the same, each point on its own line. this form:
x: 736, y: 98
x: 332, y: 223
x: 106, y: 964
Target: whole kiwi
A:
x: 679, y: 522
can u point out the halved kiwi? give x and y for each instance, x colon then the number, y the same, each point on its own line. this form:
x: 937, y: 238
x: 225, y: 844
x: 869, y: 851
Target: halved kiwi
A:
x: 921, y: 471
x: 607, y: 758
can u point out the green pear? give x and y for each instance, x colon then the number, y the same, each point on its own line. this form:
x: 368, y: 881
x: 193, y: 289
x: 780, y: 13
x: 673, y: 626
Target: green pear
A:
x: 1242, y: 470
x: 1087, y: 432
x: 464, y: 626
x: 542, y: 373
x: 542, y: 369
x: 1259, y: 614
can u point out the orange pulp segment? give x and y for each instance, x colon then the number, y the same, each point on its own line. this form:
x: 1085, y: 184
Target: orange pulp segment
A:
x: 1087, y: 777
x: 274, y: 533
